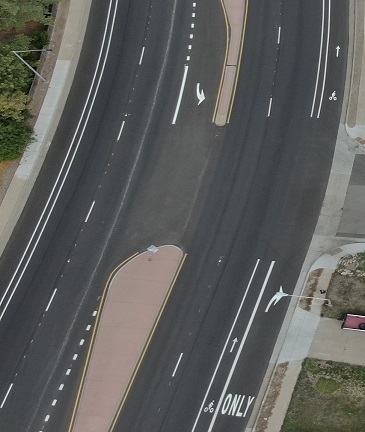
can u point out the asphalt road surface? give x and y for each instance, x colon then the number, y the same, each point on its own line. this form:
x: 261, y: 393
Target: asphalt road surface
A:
x: 133, y: 165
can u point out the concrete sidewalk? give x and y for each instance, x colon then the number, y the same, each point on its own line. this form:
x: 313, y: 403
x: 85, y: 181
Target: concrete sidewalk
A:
x: 77, y: 12
x: 309, y: 335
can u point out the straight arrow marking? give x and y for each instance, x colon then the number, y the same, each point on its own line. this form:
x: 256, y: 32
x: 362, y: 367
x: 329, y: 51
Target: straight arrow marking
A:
x: 235, y: 340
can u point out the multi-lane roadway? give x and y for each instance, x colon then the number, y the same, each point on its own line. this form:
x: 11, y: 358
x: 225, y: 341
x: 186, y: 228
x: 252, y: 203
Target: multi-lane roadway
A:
x: 137, y: 160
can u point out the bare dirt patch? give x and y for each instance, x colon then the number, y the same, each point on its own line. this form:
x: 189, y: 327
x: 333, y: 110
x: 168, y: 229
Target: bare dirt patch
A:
x: 347, y: 288
x: 28, y: 29
x: 272, y: 395
x: 310, y: 288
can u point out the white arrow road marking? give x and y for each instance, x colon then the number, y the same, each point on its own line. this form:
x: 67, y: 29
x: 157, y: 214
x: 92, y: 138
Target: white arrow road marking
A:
x: 235, y: 340
x: 199, y: 94
x: 223, y: 394
x: 276, y: 297
x: 337, y: 50
x: 225, y: 346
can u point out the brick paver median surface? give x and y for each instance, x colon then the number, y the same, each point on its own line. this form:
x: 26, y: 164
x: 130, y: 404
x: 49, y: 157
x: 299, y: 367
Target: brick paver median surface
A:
x: 132, y: 303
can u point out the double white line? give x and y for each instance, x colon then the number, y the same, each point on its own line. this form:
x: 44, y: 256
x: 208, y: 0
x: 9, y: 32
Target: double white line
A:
x: 67, y: 163
x: 320, y: 57
x: 239, y: 348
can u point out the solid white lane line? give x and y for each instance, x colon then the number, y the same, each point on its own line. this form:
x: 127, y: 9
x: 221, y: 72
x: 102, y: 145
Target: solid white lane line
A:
x: 186, y: 68
x: 65, y: 160
x: 241, y: 346
x: 141, y: 58
x: 50, y: 301
x: 326, y: 59
x: 269, y: 110
x: 279, y: 34
x: 225, y: 345
x: 91, y: 208
x: 6, y: 396
x: 319, y: 59
x: 177, y: 365
x: 121, y: 130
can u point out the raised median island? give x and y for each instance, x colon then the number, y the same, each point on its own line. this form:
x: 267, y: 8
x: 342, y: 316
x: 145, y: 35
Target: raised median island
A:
x: 235, y: 12
x: 132, y: 304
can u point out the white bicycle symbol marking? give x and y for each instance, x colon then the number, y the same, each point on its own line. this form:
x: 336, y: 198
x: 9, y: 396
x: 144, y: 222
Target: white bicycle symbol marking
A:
x: 333, y: 96
x: 209, y: 407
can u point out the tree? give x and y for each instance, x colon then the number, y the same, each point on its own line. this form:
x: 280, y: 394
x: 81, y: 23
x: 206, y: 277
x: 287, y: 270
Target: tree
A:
x: 14, y: 14
x: 13, y: 105
x: 14, y: 137
x: 14, y: 75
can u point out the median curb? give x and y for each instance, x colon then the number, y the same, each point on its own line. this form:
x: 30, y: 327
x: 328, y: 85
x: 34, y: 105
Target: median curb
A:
x: 132, y: 303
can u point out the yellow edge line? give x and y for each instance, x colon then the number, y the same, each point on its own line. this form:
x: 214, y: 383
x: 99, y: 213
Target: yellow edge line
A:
x: 78, y: 397
x: 225, y: 62
x: 116, y: 417
x: 239, y: 64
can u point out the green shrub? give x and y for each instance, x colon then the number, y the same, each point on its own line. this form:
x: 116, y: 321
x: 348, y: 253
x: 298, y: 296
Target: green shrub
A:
x: 14, y: 137
x: 14, y: 14
x: 39, y: 39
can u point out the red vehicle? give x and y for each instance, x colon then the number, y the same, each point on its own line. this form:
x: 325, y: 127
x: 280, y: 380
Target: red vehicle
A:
x: 353, y: 322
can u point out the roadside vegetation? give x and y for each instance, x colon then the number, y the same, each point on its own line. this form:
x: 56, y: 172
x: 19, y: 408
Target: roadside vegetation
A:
x: 23, y: 26
x: 347, y: 288
x: 328, y: 396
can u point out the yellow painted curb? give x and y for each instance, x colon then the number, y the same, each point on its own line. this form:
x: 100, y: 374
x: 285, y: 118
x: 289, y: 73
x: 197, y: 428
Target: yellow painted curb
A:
x: 225, y: 61
x: 238, y: 64
x: 73, y: 417
x: 122, y: 403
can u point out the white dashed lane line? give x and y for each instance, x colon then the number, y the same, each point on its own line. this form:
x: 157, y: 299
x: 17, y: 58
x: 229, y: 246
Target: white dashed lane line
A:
x: 6, y: 396
x: 91, y: 208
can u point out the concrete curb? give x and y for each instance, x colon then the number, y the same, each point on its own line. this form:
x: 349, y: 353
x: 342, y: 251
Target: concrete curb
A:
x: 131, y: 306
x: 355, y: 131
x: 300, y: 336
x: 325, y: 235
x: 48, y: 119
